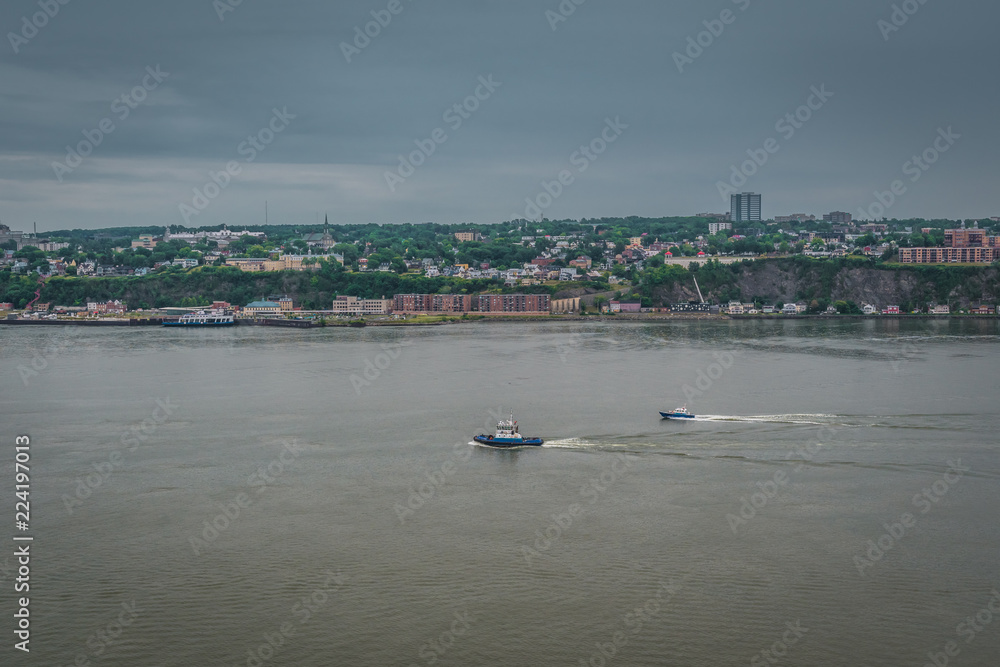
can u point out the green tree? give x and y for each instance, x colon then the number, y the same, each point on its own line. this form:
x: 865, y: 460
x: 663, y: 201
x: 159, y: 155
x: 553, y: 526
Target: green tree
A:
x: 348, y: 251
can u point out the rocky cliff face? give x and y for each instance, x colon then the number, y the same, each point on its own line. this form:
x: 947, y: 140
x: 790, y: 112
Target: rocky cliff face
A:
x: 882, y: 288
x: 772, y: 282
x: 789, y: 281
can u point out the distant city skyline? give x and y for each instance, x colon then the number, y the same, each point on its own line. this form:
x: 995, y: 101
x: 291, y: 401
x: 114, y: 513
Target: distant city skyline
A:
x: 195, y: 113
x: 713, y: 226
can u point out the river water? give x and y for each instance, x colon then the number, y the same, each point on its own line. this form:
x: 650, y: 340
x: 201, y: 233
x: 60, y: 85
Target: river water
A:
x: 259, y: 496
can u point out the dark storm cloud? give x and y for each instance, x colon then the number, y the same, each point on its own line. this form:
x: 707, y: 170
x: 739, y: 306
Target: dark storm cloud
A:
x: 559, y: 81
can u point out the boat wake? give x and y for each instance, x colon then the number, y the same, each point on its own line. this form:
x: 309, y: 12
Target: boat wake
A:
x: 568, y: 443
x: 577, y: 443
x: 812, y: 420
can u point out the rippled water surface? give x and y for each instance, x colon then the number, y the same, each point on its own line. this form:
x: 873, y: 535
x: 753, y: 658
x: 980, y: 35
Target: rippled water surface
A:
x: 284, y: 497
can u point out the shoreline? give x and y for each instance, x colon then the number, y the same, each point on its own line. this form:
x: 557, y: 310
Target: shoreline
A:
x: 637, y: 318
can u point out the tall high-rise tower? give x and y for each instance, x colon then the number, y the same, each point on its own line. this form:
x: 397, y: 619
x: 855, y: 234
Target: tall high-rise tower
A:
x: 745, y: 207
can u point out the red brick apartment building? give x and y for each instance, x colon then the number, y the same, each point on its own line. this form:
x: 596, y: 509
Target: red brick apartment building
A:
x: 969, y: 238
x: 971, y: 246
x: 514, y: 303
x: 432, y: 303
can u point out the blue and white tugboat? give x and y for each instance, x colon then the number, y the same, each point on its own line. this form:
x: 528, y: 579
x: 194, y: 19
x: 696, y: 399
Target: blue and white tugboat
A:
x: 507, y: 436
x: 679, y: 413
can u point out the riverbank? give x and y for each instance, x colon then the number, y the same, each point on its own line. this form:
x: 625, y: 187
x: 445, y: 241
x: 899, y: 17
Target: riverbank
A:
x: 103, y: 322
x: 620, y: 317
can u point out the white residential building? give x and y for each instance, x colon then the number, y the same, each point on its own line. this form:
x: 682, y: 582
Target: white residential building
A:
x: 224, y: 235
x: 352, y: 305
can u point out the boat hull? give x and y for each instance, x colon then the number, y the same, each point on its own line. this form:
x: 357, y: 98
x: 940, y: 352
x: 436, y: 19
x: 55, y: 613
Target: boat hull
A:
x: 674, y: 415
x: 506, y: 443
x: 199, y: 324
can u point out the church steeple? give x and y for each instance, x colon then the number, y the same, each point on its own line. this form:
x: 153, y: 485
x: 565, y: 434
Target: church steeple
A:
x: 327, y: 238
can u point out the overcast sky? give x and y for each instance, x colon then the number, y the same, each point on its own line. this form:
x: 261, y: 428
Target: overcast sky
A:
x: 607, y: 72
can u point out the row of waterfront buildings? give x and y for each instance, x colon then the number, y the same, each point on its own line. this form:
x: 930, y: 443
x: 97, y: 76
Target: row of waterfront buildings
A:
x: 737, y: 308
x: 467, y: 303
x: 419, y: 304
x: 446, y: 304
